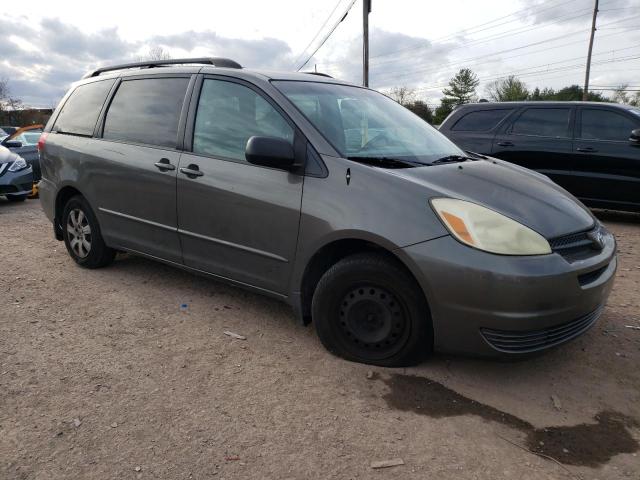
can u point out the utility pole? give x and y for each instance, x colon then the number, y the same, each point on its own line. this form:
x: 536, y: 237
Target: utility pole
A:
x: 585, y: 93
x: 366, y: 10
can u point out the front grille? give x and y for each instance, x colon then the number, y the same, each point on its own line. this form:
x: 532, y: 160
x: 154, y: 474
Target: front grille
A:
x: 535, y: 340
x: 576, y: 245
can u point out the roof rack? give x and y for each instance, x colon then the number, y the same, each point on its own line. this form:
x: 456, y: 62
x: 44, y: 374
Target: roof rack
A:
x: 320, y: 74
x: 215, y: 61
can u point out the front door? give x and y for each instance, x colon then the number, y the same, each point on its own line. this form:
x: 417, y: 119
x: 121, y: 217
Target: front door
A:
x: 237, y: 220
x: 540, y: 139
x: 607, y: 167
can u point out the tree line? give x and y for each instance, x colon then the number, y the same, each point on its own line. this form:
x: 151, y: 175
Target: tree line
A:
x: 462, y: 88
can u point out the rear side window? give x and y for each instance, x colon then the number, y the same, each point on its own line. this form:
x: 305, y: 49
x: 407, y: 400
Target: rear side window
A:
x: 80, y: 112
x: 229, y: 114
x: 598, y: 124
x: 146, y: 111
x: 481, y: 120
x: 543, y: 122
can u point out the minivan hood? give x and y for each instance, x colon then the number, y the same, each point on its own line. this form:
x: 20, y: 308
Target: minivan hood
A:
x: 523, y: 195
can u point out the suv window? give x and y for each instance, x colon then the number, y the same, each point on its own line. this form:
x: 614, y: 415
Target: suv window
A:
x: 80, y: 112
x: 146, y: 111
x: 229, y: 114
x: 598, y: 124
x: 481, y: 120
x: 543, y: 122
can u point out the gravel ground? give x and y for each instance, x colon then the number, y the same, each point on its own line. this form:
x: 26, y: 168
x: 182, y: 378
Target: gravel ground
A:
x: 102, y: 376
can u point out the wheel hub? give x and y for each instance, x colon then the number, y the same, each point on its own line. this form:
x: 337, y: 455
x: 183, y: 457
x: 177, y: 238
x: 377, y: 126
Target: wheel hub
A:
x: 372, y: 318
x: 79, y: 232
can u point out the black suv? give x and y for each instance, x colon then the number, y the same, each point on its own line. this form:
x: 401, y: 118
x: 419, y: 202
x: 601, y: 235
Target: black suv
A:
x: 591, y: 149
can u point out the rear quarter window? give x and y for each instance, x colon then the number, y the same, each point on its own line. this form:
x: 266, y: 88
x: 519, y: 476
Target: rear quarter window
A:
x: 80, y: 112
x: 481, y: 120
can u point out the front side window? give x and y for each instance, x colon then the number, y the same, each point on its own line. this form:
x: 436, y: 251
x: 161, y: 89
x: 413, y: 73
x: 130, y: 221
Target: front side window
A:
x: 229, y: 114
x: 80, y: 112
x: 598, y: 124
x: 481, y: 121
x: 363, y: 124
x: 146, y: 111
x: 543, y: 122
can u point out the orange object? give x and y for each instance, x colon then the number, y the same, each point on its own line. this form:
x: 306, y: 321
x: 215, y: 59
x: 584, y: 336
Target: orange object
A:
x: 25, y: 129
x: 458, y: 226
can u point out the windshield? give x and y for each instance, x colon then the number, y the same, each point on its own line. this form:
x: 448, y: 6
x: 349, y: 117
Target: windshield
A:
x: 361, y: 123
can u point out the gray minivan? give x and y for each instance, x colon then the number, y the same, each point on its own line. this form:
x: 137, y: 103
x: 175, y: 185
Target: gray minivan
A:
x: 329, y: 196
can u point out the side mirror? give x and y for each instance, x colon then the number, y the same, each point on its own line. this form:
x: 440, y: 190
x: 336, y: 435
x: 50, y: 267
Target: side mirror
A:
x: 635, y: 136
x: 12, y: 144
x: 270, y: 152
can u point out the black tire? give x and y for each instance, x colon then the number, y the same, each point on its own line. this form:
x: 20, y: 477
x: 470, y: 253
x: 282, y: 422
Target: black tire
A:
x: 16, y: 198
x: 78, y: 212
x: 367, y: 308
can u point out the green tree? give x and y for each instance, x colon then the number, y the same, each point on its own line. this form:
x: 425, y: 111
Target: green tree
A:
x: 462, y: 89
x: 570, y: 93
x: 510, y: 89
x: 422, y: 110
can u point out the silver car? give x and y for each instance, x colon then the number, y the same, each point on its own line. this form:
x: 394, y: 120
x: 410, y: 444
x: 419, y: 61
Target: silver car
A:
x: 373, y: 226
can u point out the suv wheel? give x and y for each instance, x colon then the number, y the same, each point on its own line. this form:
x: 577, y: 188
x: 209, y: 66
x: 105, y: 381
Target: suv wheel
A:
x: 82, y: 236
x: 368, y: 309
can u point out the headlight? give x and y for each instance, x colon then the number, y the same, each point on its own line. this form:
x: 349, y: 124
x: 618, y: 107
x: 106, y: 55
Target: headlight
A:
x: 487, y: 230
x: 18, y: 165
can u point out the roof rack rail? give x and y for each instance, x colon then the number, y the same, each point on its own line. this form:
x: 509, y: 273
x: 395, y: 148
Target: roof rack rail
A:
x: 320, y: 74
x: 215, y: 61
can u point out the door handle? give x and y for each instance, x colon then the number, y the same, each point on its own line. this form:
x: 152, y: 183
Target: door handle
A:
x: 586, y: 149
x: 505, y: 144
x: 191, y: 171
x: 164, y: 165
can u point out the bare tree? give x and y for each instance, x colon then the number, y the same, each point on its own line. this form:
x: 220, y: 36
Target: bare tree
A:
x: 510, y: 89
x: 155, y: 53
x: 403, y: 95
x: 8, y: 103
x: 158, y: 53
x: 621, y: 95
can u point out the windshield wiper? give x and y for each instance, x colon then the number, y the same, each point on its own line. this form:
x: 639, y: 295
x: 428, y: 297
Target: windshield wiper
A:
x: 451, y: 159
x: 386, y: 162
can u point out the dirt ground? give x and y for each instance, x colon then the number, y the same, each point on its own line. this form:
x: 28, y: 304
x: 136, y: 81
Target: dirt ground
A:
x: 102, y: 376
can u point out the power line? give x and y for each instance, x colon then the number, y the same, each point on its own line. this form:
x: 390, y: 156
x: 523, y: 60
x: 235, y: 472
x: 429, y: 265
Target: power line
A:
x: 466, y: 62
x: 469, y: 30
x: 317, y: 33
x: 497, y: 36
x: 326, y: 37
x: 548, y: 40
x: 553, y: 70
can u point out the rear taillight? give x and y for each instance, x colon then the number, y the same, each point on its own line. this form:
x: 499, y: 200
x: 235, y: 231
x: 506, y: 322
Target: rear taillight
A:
x: 41, y: 141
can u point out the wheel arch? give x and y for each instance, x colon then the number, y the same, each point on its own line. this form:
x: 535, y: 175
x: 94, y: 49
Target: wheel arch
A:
x: 332, y: 252
x: 62, y: 197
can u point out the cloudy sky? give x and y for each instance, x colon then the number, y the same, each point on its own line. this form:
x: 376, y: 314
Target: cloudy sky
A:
x: 417, y: 43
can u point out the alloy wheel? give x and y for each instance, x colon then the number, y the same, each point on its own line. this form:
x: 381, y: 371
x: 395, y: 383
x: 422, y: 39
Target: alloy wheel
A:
x: 79, y: 232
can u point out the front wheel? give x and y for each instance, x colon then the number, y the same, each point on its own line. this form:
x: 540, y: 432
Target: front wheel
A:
x: 367, y: 308
x: 16, y: 198
x: 82, y: 235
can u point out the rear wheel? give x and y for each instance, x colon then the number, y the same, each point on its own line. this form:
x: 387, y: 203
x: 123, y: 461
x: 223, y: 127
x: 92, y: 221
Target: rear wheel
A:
x: 368, y: 309
x: 82, y: 236
x: 16, y: 198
